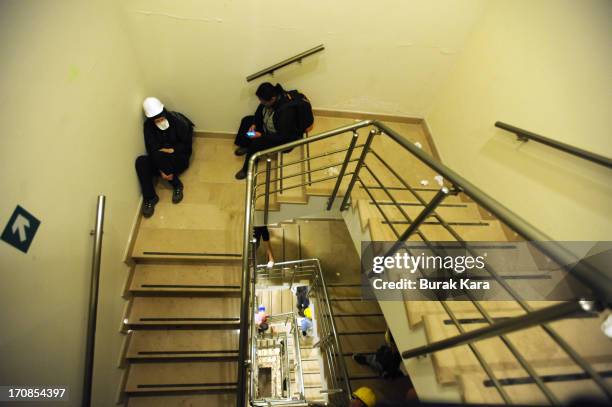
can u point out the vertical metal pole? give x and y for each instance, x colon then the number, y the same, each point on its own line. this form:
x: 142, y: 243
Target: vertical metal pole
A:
x: 93, y: 301
x: 280, y: 160
x: 351, y: 184
x: 253, y: 356
x: 267, y: 193
x: 308, y: 162
x: 330, y: 202
x: 298, y: 356
x: 431, y: 206
x: 245, y: 294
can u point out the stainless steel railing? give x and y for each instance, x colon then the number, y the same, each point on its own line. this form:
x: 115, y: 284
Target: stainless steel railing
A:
x: 525, y: 136
x: 96, y: 259
x: 336, y: 374
x: 360, y: 170
x: 284, y: 318
x: 297, y: 58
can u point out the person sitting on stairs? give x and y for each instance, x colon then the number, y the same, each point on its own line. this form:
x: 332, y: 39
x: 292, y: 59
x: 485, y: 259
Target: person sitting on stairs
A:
x: 168, y: 138
x: 386, y: 361
x: 280, y: 118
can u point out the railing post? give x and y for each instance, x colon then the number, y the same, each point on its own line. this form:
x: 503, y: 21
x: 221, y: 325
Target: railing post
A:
x: 424, y: 214
x: 267, y: 192
x: 362, y: 157
x: 330, y: 202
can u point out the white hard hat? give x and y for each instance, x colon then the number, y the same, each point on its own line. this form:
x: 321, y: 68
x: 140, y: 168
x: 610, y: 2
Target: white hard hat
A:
x: 152, y: 106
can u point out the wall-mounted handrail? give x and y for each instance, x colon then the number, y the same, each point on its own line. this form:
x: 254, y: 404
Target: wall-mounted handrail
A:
x: 525, y: 135
x: 288, y: 61
x: 93, y: 300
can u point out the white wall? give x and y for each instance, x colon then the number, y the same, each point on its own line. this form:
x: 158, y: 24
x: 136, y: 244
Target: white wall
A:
x: 71, y: 123
x: 543, y: 66
x: 385, y: 57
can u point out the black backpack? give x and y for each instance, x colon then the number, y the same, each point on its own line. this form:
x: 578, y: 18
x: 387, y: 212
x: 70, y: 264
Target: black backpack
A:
x: 303, y: 109
x: 180, y: 116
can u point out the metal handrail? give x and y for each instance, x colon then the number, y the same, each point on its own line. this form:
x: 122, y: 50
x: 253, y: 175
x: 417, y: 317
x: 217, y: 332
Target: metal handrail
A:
x: 597, y: 280
x: 288, y: 61
x: 98, y: 233
x: 525, y: 135
x: 313, y: 266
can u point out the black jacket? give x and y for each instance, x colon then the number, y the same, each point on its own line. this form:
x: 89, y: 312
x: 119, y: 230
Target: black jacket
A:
x: 389, y: 359
x: 178, y: 136
x: 285, y: 120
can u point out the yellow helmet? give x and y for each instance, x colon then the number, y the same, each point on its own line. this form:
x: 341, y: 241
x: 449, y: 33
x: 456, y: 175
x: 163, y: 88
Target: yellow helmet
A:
x: 308, y: 313
x: 366, y: 395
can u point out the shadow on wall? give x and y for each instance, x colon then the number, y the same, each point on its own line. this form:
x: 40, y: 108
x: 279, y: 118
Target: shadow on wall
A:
x: 535, y: 162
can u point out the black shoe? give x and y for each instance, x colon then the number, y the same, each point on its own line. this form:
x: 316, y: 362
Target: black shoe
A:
x: 177, y: 194
x: 240, y: 151
x: 241, y: 174
x: 359, y: 358
x: 148, y: 207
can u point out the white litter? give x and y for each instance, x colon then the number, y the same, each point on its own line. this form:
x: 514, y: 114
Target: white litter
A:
x: 440, y: 180
x: 424, y: 182
x: 606, y: 327
x: 419, y: 145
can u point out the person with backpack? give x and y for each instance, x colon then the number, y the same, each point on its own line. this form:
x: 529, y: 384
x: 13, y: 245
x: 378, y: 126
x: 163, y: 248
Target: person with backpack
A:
x: 280, y: 118
x: 168, y: 138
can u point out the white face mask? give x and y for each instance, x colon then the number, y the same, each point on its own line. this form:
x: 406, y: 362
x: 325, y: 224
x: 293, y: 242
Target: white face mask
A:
x: 162, y: 124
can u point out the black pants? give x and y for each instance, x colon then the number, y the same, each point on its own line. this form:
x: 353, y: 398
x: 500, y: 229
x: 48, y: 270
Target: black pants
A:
x: 254, y: 145
x: 261, y: 232
x: 149, y: 166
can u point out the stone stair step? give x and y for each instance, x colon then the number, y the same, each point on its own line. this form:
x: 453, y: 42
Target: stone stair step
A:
x: 145, y: 311
x: 186, y: 277
x: 582, y: 334
x: 566, y: 383
x: 212, y: 400
x: 362, y: 324
x: 182, y: 377
x: 355, y: 307
x: 416, y: 310
x: 364, y: 343
x: 182, y: 343
x: 339, y: 292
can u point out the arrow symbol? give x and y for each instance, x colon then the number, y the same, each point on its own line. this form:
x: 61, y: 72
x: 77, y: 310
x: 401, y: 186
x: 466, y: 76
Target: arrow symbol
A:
x: 21, y: 223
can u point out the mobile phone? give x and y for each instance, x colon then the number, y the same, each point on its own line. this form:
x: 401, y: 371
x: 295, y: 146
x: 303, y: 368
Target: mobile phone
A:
x: 251, y: 133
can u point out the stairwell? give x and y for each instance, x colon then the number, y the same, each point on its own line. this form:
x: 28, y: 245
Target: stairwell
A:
x: 183, y: 313
x: 181, y: 321
x: 381, y: 207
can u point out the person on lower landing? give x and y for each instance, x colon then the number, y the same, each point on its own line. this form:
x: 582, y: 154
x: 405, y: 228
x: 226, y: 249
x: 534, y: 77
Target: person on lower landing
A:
x: 280, y: 118
x: 168, y: 138
x: 386, y: 361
